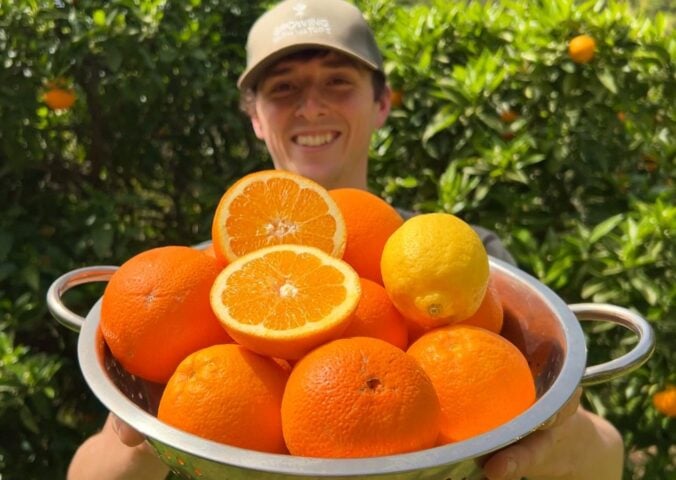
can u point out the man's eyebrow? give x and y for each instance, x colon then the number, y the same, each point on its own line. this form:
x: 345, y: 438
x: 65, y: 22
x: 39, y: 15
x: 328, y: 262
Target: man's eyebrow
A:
x: 285, y: 67
x: 277, y: 70
x: 339, y: 62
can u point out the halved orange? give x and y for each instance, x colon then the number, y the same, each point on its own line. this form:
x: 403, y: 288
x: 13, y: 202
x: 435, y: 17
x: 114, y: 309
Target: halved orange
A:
x: 284, y: 300
x: 275, y: 207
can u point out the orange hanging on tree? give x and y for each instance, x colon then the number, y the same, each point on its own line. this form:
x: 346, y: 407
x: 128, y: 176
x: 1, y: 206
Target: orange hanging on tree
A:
x: 58, y: 96
x: 665, y: 401
x: 582, y: 49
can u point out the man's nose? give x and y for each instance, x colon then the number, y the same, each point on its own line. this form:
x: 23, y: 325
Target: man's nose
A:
x: 311, y: 105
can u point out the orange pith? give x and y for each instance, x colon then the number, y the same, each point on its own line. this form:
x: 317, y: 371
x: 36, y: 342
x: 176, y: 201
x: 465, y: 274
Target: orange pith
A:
x: 274, y: 207
x: 286, y: 299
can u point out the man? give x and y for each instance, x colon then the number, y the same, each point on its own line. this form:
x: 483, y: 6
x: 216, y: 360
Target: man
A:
x: 315, y: 90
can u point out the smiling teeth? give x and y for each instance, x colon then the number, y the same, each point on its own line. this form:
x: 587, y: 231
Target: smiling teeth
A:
x: 314, y: 140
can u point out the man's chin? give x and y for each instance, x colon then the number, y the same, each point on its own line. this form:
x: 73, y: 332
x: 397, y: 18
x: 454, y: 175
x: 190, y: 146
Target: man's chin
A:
x: 320, y: 175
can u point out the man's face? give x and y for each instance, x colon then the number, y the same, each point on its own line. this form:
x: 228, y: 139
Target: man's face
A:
x: 316, y: 117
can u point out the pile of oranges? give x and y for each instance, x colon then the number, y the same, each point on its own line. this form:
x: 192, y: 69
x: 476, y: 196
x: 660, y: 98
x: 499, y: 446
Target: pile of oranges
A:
x: 321, y: 324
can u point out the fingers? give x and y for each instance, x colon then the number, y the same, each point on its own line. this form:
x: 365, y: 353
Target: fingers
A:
x: 521, y: 458
x: 127, y: 435
x: 546, y: 452
x: 568, y: 409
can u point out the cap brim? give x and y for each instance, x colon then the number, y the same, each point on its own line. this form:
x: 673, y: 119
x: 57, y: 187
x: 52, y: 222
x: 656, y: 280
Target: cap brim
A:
x: 249, y: 78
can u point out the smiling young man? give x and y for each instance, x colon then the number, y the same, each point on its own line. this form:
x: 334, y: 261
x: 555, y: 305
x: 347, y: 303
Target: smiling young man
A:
x: 315, y: 91
x: 316, y: 112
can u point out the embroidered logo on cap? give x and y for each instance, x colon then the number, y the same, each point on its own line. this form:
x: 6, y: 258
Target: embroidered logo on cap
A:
x: 299, y: 8
x: 301, y: 27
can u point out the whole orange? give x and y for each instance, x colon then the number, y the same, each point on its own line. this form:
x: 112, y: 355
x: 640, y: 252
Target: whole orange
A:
x: 155, y: 310
x: 396, y: 98
x: 508, y: 116
x: 369, y: 221
x: 664, y: 401
x: 482, y: 380
x: 377, y: 317
x: 59, y: 98
x: 490, y: 313
x: 227, y: 394
x: 582, y: 49
x: 358, y: 397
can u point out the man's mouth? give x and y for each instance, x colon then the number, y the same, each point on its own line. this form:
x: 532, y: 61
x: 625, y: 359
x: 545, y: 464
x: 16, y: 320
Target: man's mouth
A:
x: 314, y: 139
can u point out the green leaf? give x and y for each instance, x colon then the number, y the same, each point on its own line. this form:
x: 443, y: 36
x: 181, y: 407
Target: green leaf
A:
x: 99, y: 17
x: 592, y: 288
x: 6, y: 241
x: 102, y: 241
x: 606, y: 77
x: 603, y: 228
x: 113, y: 59
x: 443, y: 119
x: 7, y: 269
x: 31, y: 275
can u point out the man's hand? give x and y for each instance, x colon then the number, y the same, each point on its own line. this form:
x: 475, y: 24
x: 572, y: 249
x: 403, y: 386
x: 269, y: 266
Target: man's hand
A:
x: 574, y: 445
x: 126, y: 434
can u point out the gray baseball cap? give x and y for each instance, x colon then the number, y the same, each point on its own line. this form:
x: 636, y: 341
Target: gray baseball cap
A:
x: 294, y: 25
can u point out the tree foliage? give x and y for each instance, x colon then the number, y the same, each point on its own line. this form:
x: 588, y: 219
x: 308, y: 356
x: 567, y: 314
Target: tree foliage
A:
x: 572, y: 164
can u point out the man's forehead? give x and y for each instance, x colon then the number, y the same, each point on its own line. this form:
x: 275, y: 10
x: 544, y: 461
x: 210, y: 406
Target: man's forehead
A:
x: 327, y: 58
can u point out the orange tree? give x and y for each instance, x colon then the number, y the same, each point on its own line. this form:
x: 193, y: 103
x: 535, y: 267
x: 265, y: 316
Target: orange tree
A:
x: 138, y: 160
x: 573, y: 164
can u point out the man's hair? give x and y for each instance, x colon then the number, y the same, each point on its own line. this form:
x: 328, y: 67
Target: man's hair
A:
x: 378, y: 80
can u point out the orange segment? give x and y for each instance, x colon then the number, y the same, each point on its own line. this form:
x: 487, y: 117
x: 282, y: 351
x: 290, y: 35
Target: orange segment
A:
x: 275, y: 207
x: 284, y: 300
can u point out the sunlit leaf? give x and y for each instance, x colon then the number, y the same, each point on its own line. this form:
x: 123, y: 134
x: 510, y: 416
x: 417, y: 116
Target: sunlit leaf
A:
x: 607, y: 79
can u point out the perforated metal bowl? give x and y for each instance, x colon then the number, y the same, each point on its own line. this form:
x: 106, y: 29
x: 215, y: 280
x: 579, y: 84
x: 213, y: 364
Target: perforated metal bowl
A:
x: 537, y: 321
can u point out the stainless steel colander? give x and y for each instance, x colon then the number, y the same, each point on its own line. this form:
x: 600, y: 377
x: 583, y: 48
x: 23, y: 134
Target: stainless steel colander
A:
x: 537, y: 321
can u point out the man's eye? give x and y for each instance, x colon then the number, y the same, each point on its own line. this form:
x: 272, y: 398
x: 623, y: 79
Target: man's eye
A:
x: 339, y: 81
x: 281, y: 88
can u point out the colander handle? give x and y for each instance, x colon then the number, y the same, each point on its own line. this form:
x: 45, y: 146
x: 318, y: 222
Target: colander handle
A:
x: 631, y: 360
x: 65, y: 282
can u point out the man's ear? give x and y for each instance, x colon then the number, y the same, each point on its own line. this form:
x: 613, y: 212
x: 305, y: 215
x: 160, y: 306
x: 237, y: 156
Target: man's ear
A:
x: 384, y: 104
x: 257, y: 127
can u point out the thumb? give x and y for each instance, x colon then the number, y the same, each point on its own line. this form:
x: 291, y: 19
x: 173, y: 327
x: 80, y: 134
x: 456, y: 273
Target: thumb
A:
x: 529, y: 456
x: 125, y: 433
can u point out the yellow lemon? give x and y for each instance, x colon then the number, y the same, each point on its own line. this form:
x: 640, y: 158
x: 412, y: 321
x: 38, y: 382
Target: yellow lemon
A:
x: 435, y: 269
